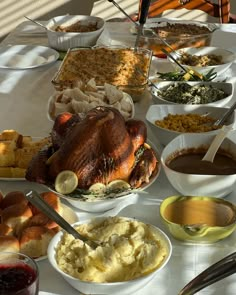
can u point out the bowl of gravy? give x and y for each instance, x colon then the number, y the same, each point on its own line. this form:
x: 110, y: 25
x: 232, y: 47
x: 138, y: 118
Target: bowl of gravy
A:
x: 182, y: 163
x: 198, y: 219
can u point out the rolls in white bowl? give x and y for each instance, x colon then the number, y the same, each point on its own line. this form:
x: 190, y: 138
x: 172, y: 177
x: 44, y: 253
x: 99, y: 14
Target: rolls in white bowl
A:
x: 113, y: 267
x: 61, y: 40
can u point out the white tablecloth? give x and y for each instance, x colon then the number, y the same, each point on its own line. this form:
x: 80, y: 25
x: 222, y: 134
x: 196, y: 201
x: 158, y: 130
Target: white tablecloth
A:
x: 24, y: 96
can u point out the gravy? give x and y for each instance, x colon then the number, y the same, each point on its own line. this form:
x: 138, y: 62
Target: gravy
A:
x: 191, y: 163
x: 186, y: 212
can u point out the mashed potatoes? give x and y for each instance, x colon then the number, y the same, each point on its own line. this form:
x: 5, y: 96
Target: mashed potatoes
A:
x: 129, y: 249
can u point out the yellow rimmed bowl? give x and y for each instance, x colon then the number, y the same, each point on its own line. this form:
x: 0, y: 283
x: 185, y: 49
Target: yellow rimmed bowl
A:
x: 198, y: 219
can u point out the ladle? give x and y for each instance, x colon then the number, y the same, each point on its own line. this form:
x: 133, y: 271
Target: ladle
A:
x: 34, y: 198
x: 36, y: 22
x: 216, y: 143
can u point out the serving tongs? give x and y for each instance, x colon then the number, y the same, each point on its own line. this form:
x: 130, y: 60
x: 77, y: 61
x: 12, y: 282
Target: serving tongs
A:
x: 218, y: 271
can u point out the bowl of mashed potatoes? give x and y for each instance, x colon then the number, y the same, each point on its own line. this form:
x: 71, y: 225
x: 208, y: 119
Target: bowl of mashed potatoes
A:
x: 129, y: 255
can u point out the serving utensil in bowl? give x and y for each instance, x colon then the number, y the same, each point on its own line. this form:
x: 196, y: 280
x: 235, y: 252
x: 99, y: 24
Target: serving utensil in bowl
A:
x: 36, y: 22
x: 217, y: 141
x: 34, y: 198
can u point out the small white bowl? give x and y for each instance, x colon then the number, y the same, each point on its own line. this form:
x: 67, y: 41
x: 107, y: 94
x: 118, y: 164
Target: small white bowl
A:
x: 65, y: 40
x: 228, y: 58
x: 228, y: 88
x: 116, y: 288
x: 159, y: 112
x: 199, y: 185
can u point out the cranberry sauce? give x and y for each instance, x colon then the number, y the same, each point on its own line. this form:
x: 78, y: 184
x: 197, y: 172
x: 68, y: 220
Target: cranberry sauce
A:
x: 18, y: 279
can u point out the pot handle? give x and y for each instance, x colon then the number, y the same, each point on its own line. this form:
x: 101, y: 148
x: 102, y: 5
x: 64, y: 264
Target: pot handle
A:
x: 218, y: 271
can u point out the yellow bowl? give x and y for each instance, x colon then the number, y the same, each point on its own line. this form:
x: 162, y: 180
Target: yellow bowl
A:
x: 198, y: 219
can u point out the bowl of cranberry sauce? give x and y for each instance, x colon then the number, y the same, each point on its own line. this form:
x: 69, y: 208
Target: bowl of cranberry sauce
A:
x: 18, y: 274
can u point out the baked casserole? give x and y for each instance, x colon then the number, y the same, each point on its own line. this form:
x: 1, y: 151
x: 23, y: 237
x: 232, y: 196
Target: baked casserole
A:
x: 116, y: 66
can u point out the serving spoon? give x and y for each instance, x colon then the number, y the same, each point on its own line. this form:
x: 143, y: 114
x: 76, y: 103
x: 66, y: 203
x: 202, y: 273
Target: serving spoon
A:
x: 36, y: 22
x: 34, y: 198
x: 216, y: 143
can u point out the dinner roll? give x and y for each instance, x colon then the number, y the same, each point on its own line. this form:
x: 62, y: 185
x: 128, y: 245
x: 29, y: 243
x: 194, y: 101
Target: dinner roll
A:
x: 5, y: 230
x: 13, y: 198
x: 16, y: 216
x: 34, y: 241
x: 9, y: 244
x: 52, y: 199
x: 41, y: 219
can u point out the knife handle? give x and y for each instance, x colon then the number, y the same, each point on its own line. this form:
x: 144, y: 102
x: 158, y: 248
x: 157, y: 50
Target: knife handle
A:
x: 143, y: 11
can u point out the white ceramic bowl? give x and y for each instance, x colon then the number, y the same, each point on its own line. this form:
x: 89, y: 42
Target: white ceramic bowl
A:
x: 228, y: 58
x: 199, y: 185
x: 159, y: 112
x: 116, y: 288
x: 228, y: 88
x: 65, y: 40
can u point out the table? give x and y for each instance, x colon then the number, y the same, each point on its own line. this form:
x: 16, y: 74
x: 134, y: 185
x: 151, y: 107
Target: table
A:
x: 24, y: 96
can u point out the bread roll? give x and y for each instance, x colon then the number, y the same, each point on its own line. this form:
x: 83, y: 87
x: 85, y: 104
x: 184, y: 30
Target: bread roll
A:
x: 5, y: 230
x: 52, y: 199
x: 16, y: 216
x: 13, y: 198
x: 9, y: 244
x: 34, y: 241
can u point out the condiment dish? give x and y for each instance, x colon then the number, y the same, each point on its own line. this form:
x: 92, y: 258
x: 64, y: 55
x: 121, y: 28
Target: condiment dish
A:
x: 92, y: 284
x: 227, y: 58
x: 210, y: 180
x: 161, y: 111
x: 187, y: 92
x: 198, y: 219
x: 61, y: 40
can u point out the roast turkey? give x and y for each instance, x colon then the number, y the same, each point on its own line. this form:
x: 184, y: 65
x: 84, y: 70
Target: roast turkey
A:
x: 101, y: 147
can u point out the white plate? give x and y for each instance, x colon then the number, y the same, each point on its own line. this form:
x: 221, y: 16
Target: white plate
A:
x: 70, y: 216
x: 26, y: 56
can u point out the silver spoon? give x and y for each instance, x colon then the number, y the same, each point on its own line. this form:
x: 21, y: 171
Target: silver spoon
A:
x: 34, y: 198
x: 36, y: 22
x: 216, y: 143
x: 226, y: 115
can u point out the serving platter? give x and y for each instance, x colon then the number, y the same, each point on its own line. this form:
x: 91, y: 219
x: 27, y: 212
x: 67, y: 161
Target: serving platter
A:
x: 104, y: 204
x: 20, y: 57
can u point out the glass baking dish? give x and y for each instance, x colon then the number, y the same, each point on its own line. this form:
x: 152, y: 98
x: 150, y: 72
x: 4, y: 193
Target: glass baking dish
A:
x: 125, y: 67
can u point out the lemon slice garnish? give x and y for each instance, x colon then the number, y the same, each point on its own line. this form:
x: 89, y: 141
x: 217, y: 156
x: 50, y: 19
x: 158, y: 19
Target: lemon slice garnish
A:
x: 66, y: 182
x: 118, y: 184
x: 98, y: 188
